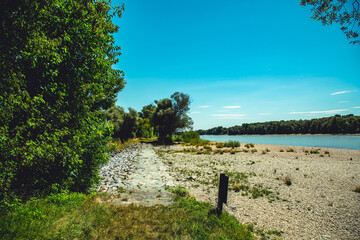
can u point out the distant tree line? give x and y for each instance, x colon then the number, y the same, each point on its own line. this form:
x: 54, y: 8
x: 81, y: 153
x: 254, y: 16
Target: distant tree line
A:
x: 337, y: 124
x: 168, y: 116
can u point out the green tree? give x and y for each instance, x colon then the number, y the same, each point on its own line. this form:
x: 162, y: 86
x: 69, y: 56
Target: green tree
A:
x: 147, y: 111
x: 346, y: 13
x: 171, y: 116
x: 56, y: 76
x: 125, y: 124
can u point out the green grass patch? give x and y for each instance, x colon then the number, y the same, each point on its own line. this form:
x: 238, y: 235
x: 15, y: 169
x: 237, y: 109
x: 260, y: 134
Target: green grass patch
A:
x: 80, y: 216
x: 232, y: 144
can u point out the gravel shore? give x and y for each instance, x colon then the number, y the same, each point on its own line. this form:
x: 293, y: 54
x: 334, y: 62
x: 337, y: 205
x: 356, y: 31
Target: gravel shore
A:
x: 319, y: 201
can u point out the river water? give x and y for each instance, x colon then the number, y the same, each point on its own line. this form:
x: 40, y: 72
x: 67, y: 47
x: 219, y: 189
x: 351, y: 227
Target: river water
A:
x: 329, y: 141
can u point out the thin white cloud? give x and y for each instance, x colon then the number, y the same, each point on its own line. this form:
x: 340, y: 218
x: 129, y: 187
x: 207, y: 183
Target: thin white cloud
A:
x: 357, y: 107
x: 263, y: 114
x: 341, y: 92
x: 195, y: 112
x: 237, y: 116
x: 321, y: 112
x: 203, y: 106
x: 232, y: 107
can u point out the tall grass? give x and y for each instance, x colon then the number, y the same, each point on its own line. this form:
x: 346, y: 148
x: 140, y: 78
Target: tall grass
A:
x: 79, y: 216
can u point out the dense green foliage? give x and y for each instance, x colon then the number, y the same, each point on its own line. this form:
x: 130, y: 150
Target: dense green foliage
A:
x: 171, y: 116
x: 337, y: 124
x: 190, y: 136
x: 56, y: 76
x: 344, y: 12
x: 79, y: 216
x: 125, y: 124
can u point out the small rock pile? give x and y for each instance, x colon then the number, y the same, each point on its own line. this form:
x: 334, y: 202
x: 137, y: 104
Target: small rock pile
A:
x: 121, y: 164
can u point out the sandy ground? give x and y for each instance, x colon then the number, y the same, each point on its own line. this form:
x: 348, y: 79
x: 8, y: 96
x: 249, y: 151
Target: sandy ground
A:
x: 320, y: 203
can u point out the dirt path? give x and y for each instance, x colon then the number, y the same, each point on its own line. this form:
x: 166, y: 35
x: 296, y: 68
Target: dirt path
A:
x: 148, y: 182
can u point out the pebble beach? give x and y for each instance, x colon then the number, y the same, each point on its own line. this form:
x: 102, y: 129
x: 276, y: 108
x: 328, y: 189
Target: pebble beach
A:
x: 319, y: 201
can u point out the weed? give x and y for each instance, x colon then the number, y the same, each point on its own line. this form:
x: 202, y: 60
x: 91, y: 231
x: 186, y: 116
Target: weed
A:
x: 287, y: 180
x: 232, y: 144
x: 327, y: 152
x: 179, y: 192
x: 219, y: 145
x: 281, y: 150
x: 253, y: 150
x: 290, y: 150
x: 207, y: 147
x: 312, y: 151
x: 357, y: 189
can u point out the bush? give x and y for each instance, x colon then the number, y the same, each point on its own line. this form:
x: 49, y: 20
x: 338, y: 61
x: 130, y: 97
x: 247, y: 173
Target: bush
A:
x: 190, y: 137
x: 219, y: 145
x: 232, y: 144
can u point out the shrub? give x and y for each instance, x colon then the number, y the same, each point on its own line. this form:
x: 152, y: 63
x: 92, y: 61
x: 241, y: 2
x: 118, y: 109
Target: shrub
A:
x: 232, y: 144
x: 232, y: 151
x: 290, y: 150
x: 357, y: 189
x: 253, y: 150
x: 207, y: 147
x: 312, y: 151
x: 219, y: 145
x: 281, y: 150
x: 178, y: 138
x: 247, y: 145
x: 191, y: 137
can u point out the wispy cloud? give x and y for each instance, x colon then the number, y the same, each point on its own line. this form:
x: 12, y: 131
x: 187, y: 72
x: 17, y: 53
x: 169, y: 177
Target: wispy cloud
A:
x: 232, y: 107
x: 237, y: 116
x: 203, y: 106
x: 263, y: 114
x: 357, y: 107
x: 341, y: 92
x: 321, y: 112
x: 195, y: 112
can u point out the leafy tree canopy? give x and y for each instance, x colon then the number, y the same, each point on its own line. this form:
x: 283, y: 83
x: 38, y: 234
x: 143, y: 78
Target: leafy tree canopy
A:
x: 56, y: 76
x: 171, y: 116
x: 344, y: 12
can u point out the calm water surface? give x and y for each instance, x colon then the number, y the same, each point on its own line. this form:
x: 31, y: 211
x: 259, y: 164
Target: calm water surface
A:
x: 330, y: 141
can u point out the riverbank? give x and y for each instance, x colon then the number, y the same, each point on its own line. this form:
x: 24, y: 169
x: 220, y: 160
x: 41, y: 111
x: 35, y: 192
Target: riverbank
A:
x: 350, y: 141
x: 303, y: 192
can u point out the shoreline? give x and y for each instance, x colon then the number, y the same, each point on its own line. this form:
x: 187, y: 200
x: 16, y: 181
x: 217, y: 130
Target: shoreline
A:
x: 334, y: 143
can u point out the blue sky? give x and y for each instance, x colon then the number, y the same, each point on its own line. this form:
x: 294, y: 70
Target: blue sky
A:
x: 240, y: 61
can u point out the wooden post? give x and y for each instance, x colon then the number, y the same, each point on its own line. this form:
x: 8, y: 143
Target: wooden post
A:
x: 223, y: 188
